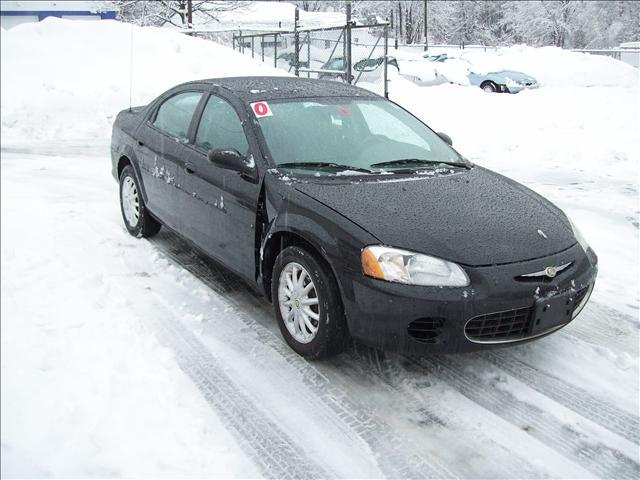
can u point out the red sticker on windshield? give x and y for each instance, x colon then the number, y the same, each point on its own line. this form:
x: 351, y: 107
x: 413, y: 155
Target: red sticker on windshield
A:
x: 344, y: 112
x: 261, y: 109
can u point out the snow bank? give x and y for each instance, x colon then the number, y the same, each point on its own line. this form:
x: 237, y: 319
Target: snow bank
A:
x: 66, y: 80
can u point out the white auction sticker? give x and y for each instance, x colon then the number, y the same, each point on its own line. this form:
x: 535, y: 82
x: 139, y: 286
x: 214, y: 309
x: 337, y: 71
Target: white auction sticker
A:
x: 261, y: 109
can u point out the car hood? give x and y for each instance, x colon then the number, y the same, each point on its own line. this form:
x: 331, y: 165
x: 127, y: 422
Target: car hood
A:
x: 518, y: 76
x: 475, y: 217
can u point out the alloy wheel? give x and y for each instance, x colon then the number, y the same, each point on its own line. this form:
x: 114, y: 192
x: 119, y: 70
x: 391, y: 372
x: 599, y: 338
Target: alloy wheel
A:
x: 130, y: 201
x: 299, y: 304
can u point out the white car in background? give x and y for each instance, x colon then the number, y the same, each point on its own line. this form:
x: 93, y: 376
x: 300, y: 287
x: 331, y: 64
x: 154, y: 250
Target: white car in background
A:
x: 421, y: 73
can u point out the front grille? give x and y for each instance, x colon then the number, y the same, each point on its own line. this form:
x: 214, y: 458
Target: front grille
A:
x: 499, y: 326
x: 426, y: 330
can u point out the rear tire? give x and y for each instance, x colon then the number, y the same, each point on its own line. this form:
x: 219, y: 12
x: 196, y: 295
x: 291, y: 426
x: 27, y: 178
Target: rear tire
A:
x: 137, y: 219
x: 307, y: 304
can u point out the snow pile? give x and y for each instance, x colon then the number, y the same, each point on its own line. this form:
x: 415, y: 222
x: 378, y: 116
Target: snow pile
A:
x: 66, y: 80
x: 555, y: 67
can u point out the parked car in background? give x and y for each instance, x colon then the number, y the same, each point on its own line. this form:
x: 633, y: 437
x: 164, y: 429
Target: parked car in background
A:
x: 422, y: 73
x: 503, y: 81
x: 367, y: 69
x: 351, y: 215
x: 290, y: 58
x: 436, y: 58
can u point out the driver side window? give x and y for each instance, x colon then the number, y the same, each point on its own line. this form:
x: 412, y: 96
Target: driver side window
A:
x: 220, y: 127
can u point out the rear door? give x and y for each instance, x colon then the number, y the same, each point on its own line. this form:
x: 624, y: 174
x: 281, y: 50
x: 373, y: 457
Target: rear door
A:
x: 221, y: 204
x: 161, y: 151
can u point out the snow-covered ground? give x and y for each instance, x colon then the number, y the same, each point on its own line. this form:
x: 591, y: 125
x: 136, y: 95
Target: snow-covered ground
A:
x: 125, y: 357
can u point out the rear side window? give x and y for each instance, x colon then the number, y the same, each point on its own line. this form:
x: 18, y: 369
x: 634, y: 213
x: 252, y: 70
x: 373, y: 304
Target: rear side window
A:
x: 175, y: 114
x: 220, y: 127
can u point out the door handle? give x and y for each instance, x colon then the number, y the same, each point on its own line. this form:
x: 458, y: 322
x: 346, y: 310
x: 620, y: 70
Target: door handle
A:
x: 189, y: 168
x: 140, y: 143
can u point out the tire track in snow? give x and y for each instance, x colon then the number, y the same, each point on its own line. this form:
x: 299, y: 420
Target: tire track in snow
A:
x: 574, y: 398
x: 591, y: 453
x: 604, y: 327
x: 275, y: 454
x: 594, y: 455
x: 395, y: 376
x: 395, y: 458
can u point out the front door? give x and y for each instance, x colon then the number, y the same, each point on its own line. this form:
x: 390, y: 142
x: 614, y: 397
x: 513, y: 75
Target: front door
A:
x: 160, y: 149
x: 220, y: 204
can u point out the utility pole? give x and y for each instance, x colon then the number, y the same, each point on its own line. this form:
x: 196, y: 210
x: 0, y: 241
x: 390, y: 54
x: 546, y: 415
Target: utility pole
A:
x: 296, y: 41
x: 348, y: 42
x: 426, y: 17
x: 189, y: 14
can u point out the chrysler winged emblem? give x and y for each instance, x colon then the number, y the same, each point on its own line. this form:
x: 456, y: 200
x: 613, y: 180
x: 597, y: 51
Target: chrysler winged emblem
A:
x: 550, y: 272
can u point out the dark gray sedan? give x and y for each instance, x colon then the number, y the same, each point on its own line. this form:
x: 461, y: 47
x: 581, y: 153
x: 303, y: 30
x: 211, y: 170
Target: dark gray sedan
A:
x: 351, y: 215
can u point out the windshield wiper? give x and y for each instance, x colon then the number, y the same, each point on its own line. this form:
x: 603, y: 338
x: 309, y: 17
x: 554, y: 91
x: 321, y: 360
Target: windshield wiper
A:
x: 335, y: 166
x: 410, y: 161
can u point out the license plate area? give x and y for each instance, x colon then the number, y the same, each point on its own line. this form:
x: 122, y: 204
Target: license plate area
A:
x: 551, y: 312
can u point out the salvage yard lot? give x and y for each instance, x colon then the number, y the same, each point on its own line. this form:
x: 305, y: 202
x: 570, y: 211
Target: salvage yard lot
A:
x: 142, y: 358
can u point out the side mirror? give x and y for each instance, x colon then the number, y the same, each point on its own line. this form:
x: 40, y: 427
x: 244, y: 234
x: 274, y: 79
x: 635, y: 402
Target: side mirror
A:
x: 228, y: 158
x: 446, y: 138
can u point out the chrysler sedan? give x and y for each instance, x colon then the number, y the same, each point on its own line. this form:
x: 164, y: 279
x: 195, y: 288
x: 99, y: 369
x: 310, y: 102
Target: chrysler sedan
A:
x: 353, y: 217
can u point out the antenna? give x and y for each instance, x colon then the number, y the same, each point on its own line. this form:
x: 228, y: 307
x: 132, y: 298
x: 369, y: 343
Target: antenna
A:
x: 131, y: 68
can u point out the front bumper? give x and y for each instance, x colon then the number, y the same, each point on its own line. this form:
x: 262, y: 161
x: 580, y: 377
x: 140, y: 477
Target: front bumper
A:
x: 519, y: 88
x: 414, y: 319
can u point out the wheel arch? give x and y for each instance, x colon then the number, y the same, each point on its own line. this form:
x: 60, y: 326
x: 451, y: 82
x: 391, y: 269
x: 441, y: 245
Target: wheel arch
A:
x: 123, y: 161
x: 128, y: 158
x: 279, y: 240
x: 489, y: 82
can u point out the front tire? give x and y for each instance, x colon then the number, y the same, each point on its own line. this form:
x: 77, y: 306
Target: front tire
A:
x: 489, y: 87
x: 307, y: 305
x: 137, y: 219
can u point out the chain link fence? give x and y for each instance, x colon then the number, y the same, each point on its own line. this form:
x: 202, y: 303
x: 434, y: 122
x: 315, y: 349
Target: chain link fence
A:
x: 351, y: 53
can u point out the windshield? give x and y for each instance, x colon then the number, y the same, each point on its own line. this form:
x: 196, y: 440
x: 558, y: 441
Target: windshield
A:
x: 334, y: 135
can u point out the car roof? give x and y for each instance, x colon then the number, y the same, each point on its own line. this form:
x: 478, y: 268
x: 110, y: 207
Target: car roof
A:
x: 253, y: 89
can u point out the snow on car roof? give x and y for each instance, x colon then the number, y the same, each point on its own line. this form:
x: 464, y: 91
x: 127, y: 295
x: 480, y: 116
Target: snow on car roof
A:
x: 270, y: 88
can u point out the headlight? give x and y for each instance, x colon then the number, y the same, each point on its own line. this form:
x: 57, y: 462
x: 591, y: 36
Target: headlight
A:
x: 576, y: 233
x: 402, y: 266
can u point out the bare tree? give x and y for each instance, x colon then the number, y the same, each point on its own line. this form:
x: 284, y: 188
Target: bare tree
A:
x: 173, y: 12
x: 564, y: 23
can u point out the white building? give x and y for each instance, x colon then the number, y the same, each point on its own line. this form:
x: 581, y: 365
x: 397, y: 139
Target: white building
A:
x: 632, y: 53
x: 14, y: 13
